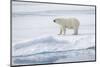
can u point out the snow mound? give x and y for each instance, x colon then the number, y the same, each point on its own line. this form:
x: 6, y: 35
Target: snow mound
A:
x: 52, y: 44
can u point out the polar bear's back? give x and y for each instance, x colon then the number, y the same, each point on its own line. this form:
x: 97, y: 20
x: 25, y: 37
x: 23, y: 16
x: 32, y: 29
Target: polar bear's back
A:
x: 69, y: 22
x: 72, y: 22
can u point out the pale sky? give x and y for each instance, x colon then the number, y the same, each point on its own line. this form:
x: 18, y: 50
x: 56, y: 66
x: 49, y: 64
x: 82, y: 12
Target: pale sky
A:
x: 33, y: 7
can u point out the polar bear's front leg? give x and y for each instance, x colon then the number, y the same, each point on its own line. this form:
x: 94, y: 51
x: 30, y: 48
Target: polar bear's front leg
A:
x: 60, y: 31
x: 76, y: 31
x: 64, y: 30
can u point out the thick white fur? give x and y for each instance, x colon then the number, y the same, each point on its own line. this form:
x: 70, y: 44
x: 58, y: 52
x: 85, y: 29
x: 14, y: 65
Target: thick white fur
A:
x: 70, y: 23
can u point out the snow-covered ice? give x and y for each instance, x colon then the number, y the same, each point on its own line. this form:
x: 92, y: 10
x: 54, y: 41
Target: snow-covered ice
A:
x: 35, y: 39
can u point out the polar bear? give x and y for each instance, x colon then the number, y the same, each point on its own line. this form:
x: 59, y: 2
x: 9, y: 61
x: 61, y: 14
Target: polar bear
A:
x: 69, y: 23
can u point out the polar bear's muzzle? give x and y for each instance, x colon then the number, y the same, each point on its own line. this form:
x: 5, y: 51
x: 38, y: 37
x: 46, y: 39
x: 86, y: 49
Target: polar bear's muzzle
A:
x: 54, y: 20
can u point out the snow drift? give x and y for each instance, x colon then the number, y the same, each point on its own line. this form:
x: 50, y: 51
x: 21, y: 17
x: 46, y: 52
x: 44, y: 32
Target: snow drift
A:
x: 54, y: 49
x: 52, y: 44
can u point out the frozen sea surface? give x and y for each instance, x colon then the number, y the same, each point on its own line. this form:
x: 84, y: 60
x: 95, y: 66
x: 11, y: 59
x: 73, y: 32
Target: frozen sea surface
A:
x: 56, y: 57
x: 35, y: 39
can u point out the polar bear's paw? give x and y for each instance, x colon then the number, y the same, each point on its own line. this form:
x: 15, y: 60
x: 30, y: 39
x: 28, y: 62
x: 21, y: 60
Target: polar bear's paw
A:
x: 62, y: 34
x: 75, y: 34
x: 59, y: 34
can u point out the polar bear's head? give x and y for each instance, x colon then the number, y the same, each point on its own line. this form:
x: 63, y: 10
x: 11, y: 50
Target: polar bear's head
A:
x: 58, y: 20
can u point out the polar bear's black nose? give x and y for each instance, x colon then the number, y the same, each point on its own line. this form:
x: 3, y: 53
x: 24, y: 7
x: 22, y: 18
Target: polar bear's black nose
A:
x: 54, y: 20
